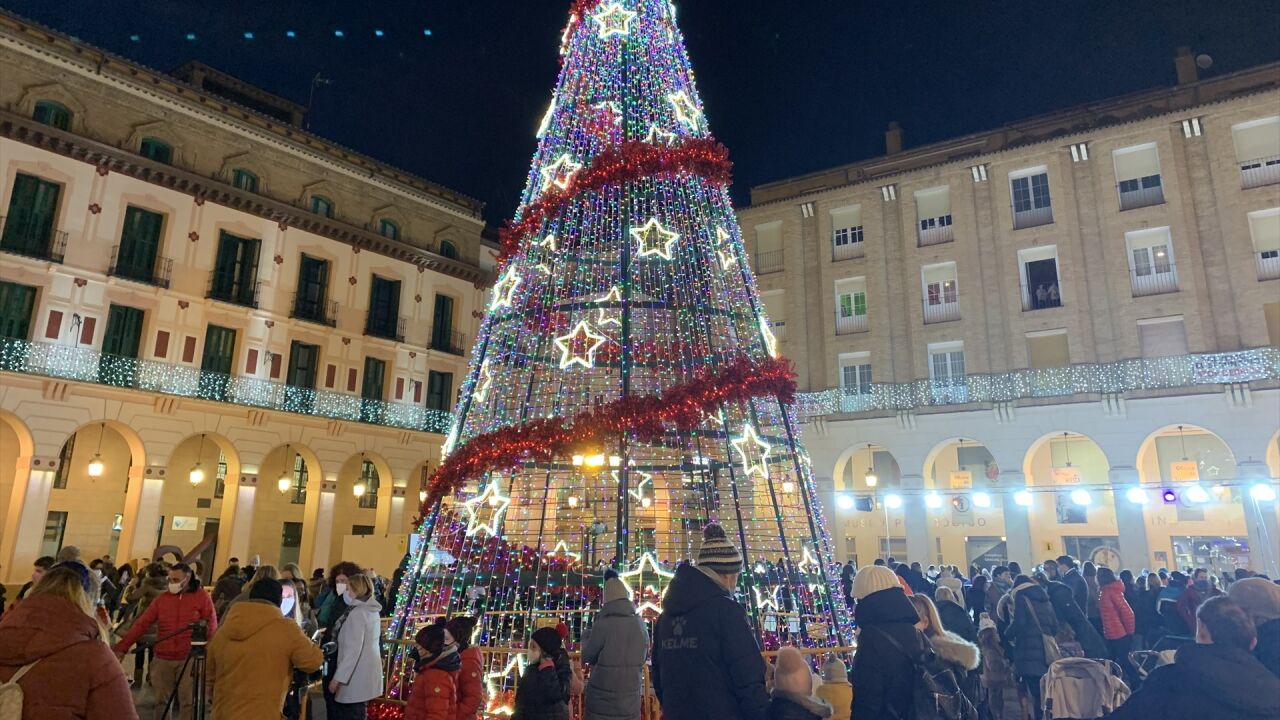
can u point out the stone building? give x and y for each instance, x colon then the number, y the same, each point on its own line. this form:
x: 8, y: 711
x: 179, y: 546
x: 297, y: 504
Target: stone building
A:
x: 1013, y: 343
x: 217, y: 330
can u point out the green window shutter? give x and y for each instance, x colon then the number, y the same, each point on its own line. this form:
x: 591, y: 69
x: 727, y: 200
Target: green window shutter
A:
x: 219, y: 349
x: 156, y: 149
x: 860, y: 303
x: 248, y: 250
x: 846, y: 305
x: 17, y: 302
x: 52, y: 114
x: 303, y: 359
x: 374, y: 379
x: 139, y: 244
x: 118, y: 364
x: 33, y: 208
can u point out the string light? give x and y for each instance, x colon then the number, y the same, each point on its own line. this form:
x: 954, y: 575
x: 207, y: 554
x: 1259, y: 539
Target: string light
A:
x: 1022, y: 498
x: 1137, y: 496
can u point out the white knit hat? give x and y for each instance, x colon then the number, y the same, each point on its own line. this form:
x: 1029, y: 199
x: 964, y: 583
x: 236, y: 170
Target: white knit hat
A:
x: 717, y: 553
x: 873, y: 578
x: 614, y: 588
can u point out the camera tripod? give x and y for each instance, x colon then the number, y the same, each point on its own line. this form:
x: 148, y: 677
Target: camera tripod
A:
x: 196, y: 662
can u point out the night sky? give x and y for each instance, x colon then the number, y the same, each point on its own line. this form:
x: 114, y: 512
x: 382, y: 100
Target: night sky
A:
x: 789, y: 87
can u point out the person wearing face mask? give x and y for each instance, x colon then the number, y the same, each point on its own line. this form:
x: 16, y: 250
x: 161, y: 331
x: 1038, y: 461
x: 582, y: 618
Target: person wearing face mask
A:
x: 252, y: 658
x: 330, y: 606
x: 435, y: 691
x: 173, y: 613
x: 357, y: 672
x: 543, y: 690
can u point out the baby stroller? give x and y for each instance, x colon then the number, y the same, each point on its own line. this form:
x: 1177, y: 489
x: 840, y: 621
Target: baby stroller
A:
x: 1082, y: 689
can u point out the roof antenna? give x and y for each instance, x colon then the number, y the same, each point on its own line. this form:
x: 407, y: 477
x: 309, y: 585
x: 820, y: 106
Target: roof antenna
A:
x: 319, y: 79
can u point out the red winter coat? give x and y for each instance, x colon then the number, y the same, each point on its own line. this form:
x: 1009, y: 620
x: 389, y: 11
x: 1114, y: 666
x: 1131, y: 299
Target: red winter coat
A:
x: 1117, y: 616
x: 470, y: 685
x: 435, y: 692
x: 172, y: 612
x: 77, y: 676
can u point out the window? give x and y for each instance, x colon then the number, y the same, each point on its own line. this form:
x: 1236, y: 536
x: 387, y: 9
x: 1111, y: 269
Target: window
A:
x: 373, y: 389
x: 135, y: 257
x: 947, y: 372
x: 55, y: 527
x: 216, y: 362
x: 1264, y: 228
x: 369, y: 478
x: 220, y: 476
x: 851, y: 305
x: 768, y: 254
x: 388, y: 229
x: 448, y: 249
x: 1162, y: 337
x: 52, y: 114
x: 855, y: 373
x: 1030, y: 192
x: 775, y: 308
x: 322, y: 205
x: 235, y: 272
x: 846, y: 232
x: 29, y: 223
x: 63, y: 471
x: 933, y: 212
x: 439, y: 390
x: 442, y: 335
x: 17, y: 303
x: 156, y: 149
x: 300, y: 476
x: 1047, y: 349
x: 1138, y: 176
x: 941, y: 292
x: 304, y: 362
x: 1151, y: 265
x: 1258, y: 151
x: 1039, y: 269
x: 384, y: 309
x: 118, y: 363
x: 310, y: 300
x: 244, y: 180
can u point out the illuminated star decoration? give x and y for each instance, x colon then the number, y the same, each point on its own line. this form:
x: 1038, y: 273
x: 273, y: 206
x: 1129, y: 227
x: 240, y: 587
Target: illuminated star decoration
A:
x: 770, y: 340
x: 613, y: 19
x: 610, y: 110
x: 484, y: 381
x: 658, y: 136
x: 655, y: 239
x: 449, y: 442
x: 752, y: 465
x: 562, y: 550
x: 505, y: 288
x: 684, y: 108
x: 724, y: 249
x: 560, y: 173
x: 807, y: 560
x: 549, y: 242
x: 517, y: 664
x: 546, y: 119
x: 602, y: 316
x: 767, y: 599
x: 638, y: 574
x: 579, y: 346
x: 638, y: 492
x: 491, y: 497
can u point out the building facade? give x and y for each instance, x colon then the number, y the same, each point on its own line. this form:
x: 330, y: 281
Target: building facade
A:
x: 217, y: 330
x: 1056, y: 336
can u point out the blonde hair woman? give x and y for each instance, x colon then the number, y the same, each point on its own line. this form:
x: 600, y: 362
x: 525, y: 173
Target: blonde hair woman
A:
x: 960, y: 655
x: 357, y: 677
x: 55, y: 647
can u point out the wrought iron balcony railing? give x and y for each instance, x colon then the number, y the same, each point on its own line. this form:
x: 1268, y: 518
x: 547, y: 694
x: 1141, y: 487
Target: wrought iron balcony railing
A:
x: 232, y: 292
x: 388, y: 327
x: 766, y: 262
x: 87, y: 365
x: 1032, y: 217
x: 448, y: 341
x: 26, y: 235
x: 1259, y: 172
x: 157, y: 274
x: 1134, y: 198
x: 324, y: 312
x: 1154, y: 281
x: 1083, y: 379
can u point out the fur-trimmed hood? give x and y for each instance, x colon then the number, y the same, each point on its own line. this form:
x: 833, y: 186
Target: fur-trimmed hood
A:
x: 956, y: 650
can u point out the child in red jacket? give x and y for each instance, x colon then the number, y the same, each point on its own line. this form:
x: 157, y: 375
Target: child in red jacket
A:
x: 435, y: 691
x: 1118, y: 623
x: 470, y: 684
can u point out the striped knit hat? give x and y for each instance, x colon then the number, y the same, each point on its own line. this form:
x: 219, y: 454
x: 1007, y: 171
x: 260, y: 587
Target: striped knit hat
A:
x: 717, y: 553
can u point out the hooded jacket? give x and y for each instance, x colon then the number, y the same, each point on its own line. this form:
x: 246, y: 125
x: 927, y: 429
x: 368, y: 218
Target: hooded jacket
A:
x: 1032, y: 615
x: 615, y: 649
x: 706, y: 661
x: 961, y: 657
x: 1071, y: 615
x: 75, y: 676
x: 543, y: 691
x: 171, y: 613
x: 251, y: 660
x: 359, y: 665
x: 884, y: 675
x: 435, y: 689
x: 1191, y: 599
x: 470, y: 687
x: 1206, y: 681
x: 1117, y: 617
x: 956, y: 620
x: 1079, y: 588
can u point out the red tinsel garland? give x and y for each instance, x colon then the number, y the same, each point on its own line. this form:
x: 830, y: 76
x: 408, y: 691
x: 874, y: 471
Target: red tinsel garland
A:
x: 379, y: 709
x: 629, y: 161
x: 683, y: 406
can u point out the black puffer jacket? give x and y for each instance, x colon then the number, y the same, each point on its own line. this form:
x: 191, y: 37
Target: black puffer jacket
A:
x: 543, y: 691
x: 1206, y: 682
x: 1268, y: 648
x: 883, y: 675
x: 706, y: 661
x: 1064, y: 606
x: 1031, y: 604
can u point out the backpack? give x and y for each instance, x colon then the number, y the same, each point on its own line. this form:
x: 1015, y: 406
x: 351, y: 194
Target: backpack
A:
x: 1082, y: 689
x: 11, y: 695
x: 936, y: 694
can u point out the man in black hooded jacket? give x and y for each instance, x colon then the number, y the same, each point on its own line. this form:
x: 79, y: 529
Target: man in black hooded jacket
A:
x: 706, y: 661
x: 1216, y: 678
x: 890, y: 647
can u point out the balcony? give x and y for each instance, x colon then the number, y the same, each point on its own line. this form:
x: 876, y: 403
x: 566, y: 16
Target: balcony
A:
x: 385, y: 327
x: 1140, y: 197
x: 848, y: 251
x: 1179, y: 371
x: 324, y: 312
x: 84, y: 365
x: 234, y: 293
x: 935, y: 231
x: 1033, y: 300
x: 852, y: 324
x: 157, y: 275
x: 941, y: 312
x: 766, y: 262
x: 448, y: 341
x: 1259, y: 172
x: 1154, y: 282
x: 1268, y: 265
x: 20, y: 235
x: 1033, y: 217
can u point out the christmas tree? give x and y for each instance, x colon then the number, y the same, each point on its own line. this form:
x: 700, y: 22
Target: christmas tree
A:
x: 625, y: 388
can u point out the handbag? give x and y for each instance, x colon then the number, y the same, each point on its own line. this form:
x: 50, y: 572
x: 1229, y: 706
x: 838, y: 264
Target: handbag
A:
x: 1052, y: 653
x: 936, y: 693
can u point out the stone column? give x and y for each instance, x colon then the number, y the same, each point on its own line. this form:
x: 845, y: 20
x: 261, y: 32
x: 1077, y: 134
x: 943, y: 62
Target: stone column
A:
x: 1131, y: 524
x: 382, y: 514
x: 915, y: 519
x: 317, y: 523
x: 235, y: 521
x: 23, y: 527
x: 1017, y: 521
x: 139, y: 528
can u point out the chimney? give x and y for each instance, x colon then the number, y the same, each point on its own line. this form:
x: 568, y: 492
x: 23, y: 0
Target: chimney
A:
x: 1185, y: 63
x: 893, y: 138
